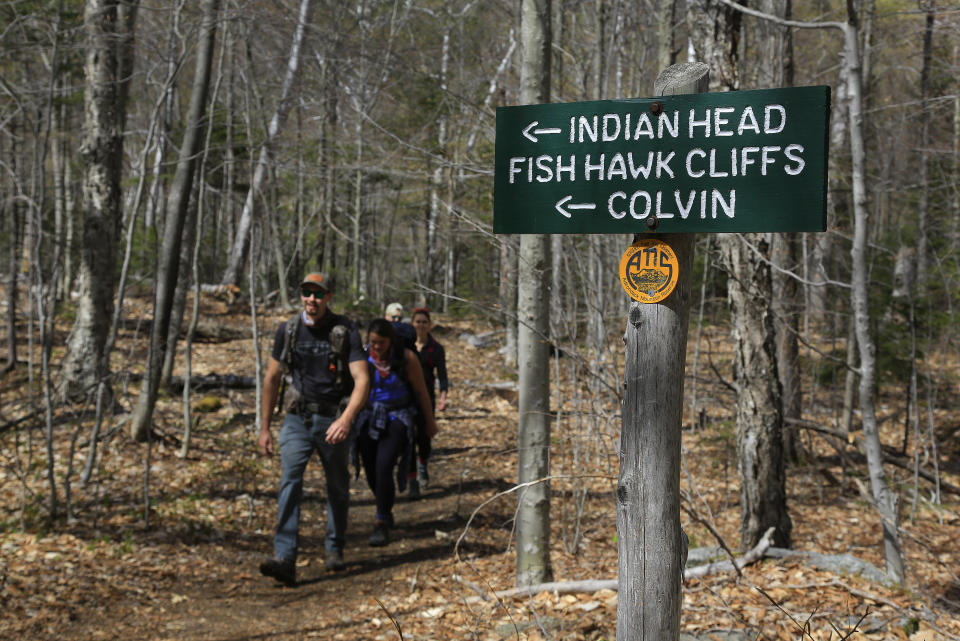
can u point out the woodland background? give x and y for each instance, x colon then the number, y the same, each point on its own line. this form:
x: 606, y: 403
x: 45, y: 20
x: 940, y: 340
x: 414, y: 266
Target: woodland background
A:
x: 154, y: 155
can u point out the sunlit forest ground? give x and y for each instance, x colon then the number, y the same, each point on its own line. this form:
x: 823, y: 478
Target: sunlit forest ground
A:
x: 101, y: 570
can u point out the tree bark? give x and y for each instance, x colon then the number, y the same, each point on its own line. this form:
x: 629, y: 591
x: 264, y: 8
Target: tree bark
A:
x: 760, y: 457
x: 923, y: 202
x: 533, y: 509
x: 10, y: 213
x: 109, y: 27
x: 177, y: 205
x: 508, y: 298
x: 666, y: 41
x: 775, y: 69
x: 716, y: 30
x: 887, y: 501
x: 787, y: 308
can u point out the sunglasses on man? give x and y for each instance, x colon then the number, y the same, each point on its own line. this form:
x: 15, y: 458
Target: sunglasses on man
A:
x: 307, y: 292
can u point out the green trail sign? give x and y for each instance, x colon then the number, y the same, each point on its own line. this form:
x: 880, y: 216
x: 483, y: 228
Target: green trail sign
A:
x: 745, y: 161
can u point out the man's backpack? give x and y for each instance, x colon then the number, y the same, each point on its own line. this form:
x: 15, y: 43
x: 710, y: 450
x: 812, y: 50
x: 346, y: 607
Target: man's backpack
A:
x: 338, y: 358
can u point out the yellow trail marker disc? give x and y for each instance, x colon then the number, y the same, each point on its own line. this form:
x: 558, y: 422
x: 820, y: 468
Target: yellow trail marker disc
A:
x: 649, y: 270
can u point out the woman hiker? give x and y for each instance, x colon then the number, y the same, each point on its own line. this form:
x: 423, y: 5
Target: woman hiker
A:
x: 433, y: 360
x: 386, y: 427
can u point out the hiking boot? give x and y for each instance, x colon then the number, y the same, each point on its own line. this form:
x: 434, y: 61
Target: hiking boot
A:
x: 283, y: 570
x: 379, y: 537
x: 414, y: 490
x: 423, y: 476
x: 334, y: 560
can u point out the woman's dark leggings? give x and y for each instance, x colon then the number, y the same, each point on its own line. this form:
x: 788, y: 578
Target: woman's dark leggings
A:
x: 422, y: 440
x: 379, y: 458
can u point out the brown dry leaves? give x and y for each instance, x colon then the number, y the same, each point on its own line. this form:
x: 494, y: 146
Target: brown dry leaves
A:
x: 192, y: 574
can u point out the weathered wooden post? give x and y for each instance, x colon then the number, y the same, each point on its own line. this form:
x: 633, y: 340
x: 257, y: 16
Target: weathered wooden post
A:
x: 649, y: 537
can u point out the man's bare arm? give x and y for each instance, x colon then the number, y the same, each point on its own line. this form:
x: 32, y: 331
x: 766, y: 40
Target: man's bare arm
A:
x: 340, y: 428
x: 271, y: 388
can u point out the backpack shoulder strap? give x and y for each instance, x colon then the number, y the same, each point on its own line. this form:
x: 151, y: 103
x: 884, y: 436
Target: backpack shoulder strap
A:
x: 290, y: 341
x: 399, y: 364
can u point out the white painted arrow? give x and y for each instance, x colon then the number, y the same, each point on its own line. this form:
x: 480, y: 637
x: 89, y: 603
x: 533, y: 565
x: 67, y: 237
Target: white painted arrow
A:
x: 563, y: 201
x: 526, y: 132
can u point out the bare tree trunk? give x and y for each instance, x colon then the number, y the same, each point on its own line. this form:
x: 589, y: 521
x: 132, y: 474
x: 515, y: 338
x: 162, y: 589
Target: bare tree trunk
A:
x: 849, y: 379
x: 533, y: 509
x: 109, y: 28
x: 191, y: 330
x: 10, y: 213
x: 923, y: 202
x: 178, y: 203
x: 886, y: 500
x: 238, y: 250
x: 663, y: 14
x: 508, y: 298
x: 59, y: 162
x: 763, y: 503
x: 326, y: 163
x: 955, y: 168
x: 356, y: 230
x: 786, y: 309
x: 760, y: 457
x: 429, y: 278
x: 180, y: 292
x: 775, y: 69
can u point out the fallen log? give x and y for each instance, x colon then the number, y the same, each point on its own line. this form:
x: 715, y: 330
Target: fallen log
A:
x: 595, y: 585
x: 889, y: 455
x: 206, y: 332
x: 213, y: 381
x: 842, y: 564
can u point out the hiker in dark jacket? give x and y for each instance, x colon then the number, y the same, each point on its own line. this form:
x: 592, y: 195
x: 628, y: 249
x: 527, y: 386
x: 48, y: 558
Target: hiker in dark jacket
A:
x: 433, y: 361
x: 386, y: 427
x: 324, y: 356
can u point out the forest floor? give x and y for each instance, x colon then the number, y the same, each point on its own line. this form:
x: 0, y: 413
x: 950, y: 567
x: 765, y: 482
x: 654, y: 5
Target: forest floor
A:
x: 191, y: 572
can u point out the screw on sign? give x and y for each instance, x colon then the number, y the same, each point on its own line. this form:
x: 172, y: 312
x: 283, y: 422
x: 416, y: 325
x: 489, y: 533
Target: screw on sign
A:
x: 649, y: 270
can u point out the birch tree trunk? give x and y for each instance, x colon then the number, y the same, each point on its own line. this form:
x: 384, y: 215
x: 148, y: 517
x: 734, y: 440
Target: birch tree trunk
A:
x: 887, y: 502
x: 533, y: 509
x: 177, y: 204
x: 231, y: 275
x: 109, y: 26
x: 433, y: 255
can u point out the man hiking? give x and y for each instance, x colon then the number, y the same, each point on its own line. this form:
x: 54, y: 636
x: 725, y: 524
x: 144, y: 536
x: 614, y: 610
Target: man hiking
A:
x: 323, y: 355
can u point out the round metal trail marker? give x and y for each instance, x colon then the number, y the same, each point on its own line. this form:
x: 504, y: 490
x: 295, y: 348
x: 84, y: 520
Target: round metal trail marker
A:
x: 649, y: 270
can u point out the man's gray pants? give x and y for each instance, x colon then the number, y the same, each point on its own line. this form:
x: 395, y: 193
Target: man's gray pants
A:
x: 297, y: 444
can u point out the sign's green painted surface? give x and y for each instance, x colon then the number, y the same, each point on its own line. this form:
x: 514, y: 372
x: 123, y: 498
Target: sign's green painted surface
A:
x: 745, y: 161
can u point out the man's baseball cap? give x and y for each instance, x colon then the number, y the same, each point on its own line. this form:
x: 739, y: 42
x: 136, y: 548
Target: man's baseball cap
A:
x: 318, y: 279
x: 394, y: 309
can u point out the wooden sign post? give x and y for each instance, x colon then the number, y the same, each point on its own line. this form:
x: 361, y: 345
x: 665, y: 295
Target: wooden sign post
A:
x: 663, y: 168
x: 649, y: 539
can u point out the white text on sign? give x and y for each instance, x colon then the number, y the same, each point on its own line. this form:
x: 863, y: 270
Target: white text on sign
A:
x: 700, y: 162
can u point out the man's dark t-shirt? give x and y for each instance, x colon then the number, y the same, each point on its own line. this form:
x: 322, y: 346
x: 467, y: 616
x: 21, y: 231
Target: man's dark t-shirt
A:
x: 310, y: 367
